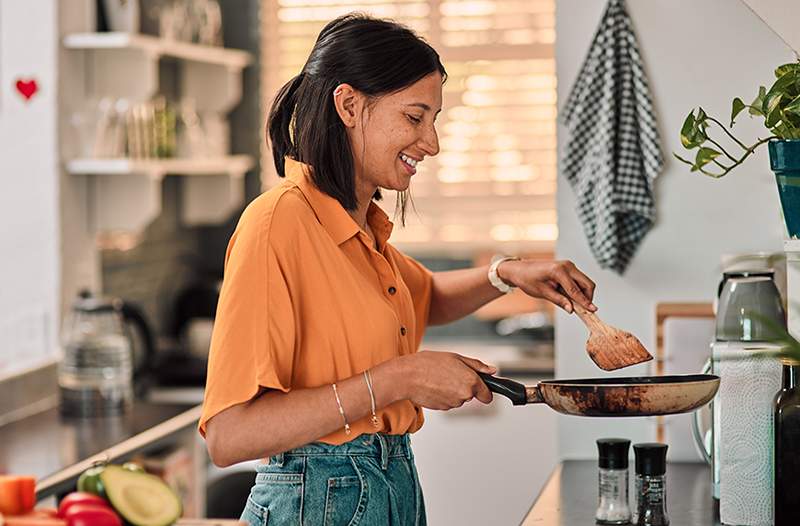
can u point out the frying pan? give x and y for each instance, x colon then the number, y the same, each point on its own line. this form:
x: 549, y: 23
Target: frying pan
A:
x: 631, y: 396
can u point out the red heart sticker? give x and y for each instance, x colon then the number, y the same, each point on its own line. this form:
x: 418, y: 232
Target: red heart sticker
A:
x: 27, y: 88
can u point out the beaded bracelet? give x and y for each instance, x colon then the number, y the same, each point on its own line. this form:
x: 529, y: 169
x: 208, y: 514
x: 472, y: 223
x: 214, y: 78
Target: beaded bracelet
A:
x: 341, y: 410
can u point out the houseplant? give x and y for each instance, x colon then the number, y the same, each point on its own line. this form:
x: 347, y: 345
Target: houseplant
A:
x: 779, y: 107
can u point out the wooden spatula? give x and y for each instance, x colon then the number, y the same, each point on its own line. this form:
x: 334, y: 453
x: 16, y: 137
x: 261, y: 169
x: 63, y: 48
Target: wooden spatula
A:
x: 610, y: 348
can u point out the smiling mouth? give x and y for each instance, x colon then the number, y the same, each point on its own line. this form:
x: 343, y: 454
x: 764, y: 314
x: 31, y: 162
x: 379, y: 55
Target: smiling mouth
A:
x: 408, y: 160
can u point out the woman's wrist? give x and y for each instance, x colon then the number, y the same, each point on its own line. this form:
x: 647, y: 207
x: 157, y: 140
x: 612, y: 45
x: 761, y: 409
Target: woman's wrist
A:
x: 390, y: 381
x: 506, y: 271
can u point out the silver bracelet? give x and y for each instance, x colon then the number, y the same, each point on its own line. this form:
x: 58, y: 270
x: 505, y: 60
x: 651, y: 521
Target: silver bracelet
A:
x: 341, y: 410
x: 368, y: 380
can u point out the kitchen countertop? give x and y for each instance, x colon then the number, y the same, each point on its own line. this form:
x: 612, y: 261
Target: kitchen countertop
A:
x: 56, y: 450
x: 570, y: 496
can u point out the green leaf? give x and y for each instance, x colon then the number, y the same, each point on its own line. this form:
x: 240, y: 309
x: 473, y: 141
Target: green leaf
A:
x: 793, y: 107
x: 738, y: 106
x: 774, y: 116
x: 693, y: 131
x: 778, y: 91
x: 701, y: 114
x: 786, y: 68
x: 705, y: 155
x: 757, y: 106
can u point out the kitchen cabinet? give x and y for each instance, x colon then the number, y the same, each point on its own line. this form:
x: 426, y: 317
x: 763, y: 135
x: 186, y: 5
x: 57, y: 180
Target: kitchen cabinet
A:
x: 481, y: 464
x: 125, y: 194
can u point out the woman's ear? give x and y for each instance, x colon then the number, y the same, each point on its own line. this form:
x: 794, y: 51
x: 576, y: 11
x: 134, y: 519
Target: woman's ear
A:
x: 347, y: 101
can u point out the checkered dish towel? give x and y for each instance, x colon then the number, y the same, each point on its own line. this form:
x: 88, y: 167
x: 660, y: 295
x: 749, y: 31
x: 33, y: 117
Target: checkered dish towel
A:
x: 612, y: 156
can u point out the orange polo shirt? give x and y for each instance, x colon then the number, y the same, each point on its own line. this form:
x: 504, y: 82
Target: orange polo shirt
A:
x: 307, y: 300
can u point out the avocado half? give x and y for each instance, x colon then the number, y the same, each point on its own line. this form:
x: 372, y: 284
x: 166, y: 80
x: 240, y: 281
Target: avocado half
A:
x: 140, y: 498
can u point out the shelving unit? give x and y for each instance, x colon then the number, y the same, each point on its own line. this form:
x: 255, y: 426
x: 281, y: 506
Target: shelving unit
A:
x: 235, y: 165
x: 125, y: 194
x: 158, y: 47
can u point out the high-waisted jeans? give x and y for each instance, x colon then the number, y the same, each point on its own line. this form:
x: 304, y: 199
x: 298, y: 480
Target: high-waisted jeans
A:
x: 371, y: 480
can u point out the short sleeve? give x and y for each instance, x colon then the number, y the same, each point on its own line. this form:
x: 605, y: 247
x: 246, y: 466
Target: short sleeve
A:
x: 253, y: 340
x: 419, y: 281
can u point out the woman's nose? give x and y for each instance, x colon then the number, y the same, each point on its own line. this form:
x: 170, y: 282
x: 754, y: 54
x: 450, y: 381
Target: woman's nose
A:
x: 430, y: 141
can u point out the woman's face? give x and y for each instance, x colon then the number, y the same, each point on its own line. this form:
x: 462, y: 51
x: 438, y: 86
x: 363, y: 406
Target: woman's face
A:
x: 394, y: 133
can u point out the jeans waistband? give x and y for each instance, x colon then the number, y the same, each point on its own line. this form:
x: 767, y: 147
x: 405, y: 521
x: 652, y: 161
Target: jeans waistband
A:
x: 380, y: 446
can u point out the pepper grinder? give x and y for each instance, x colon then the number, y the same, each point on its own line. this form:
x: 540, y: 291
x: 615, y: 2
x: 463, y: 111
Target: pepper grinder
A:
x: 612, y: 506
x: 651, y: 484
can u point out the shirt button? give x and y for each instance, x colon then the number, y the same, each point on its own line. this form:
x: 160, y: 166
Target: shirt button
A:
x: 403, y: 331
x: 392, y: 290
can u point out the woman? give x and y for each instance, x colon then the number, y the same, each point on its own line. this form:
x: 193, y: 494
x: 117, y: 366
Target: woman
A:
x: 313, y: 363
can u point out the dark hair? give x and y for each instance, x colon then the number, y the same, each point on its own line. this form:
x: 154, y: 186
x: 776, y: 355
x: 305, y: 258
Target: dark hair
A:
x: 376, y: 57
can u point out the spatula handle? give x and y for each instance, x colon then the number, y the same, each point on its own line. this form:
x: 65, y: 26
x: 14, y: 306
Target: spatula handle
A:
x: 589, y: 319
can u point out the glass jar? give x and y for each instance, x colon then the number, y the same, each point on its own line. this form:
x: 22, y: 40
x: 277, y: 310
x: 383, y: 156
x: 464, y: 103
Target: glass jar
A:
x: 612, y: 477
x: 95, y: 376
x: 651, y: 484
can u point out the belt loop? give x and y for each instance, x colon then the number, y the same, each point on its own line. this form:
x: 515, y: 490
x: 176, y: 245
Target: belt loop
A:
x: 277, y: 460
x: 384, y: 451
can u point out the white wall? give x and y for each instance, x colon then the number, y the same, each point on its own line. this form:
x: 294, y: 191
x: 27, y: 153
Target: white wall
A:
x: 29, y: 235
x: 696, y: 53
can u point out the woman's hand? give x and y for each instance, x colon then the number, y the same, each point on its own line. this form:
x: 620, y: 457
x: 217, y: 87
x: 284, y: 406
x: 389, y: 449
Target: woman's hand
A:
x: 559, y: 282
x: 443, y: 380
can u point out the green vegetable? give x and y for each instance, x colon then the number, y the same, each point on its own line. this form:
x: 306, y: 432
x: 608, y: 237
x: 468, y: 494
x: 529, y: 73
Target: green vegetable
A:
x: 90, y: 482
x: 141, y: 499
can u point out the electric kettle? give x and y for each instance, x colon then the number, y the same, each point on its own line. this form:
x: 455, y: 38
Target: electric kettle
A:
x: 745, y: 300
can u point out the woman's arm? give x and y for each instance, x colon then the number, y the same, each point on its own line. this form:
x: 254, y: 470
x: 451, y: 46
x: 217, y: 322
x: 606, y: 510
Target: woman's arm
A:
x: 457, y: 293
x: 275, y: 421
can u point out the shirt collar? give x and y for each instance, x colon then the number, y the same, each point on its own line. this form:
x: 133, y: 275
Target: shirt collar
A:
x: 331, y: 214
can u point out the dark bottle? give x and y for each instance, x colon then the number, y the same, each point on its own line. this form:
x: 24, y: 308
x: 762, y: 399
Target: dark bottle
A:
x: 787, y: 447
x: 651, y: 484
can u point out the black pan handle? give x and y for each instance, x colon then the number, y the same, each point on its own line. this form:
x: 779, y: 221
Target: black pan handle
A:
x: 512, y: 390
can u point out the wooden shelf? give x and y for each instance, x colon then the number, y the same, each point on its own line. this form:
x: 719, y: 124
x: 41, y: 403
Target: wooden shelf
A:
x: 234, y: 165
x: 125, y: 194
x: 232, y: 58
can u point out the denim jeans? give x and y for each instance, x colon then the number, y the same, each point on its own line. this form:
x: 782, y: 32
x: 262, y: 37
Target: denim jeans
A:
x: 371, y: 480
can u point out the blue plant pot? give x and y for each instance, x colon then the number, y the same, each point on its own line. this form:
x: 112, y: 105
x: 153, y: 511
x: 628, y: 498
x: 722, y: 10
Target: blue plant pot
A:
x: 784, y: 159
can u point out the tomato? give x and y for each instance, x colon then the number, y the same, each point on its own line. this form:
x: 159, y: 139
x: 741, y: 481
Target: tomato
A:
x: 17, y: 494
x: 27, y: 493
x: 91, y: 515
x: 79, y: 498
x: 90, y: 482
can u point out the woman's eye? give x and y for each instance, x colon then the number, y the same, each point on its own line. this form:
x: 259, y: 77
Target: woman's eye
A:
x: 415, y: 120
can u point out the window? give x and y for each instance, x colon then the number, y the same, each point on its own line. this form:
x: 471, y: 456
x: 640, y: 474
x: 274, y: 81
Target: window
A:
x: 494, y: 180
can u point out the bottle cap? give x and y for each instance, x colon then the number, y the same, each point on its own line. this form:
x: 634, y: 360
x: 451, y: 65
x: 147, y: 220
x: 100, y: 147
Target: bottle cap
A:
x: 613, y: 452
x: 651, y: 458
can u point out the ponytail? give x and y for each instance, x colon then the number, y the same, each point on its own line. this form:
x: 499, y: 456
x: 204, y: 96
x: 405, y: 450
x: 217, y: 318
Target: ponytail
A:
x: 279, y: 123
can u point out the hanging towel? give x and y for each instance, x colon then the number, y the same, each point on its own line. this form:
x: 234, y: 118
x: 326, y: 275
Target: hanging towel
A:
x: 612, y: 155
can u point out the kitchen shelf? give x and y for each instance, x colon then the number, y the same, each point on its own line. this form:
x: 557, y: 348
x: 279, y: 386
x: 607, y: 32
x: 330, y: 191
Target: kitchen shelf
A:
x: 235, y: 165
x: 125, y: 194
x: 232, y: 58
